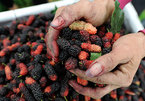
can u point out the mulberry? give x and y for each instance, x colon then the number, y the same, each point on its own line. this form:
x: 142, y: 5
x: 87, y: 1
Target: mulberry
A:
x: 23, y: 68
x: 66, y: 33
x: 3, y: 90
x: 64, y: 84
x: 43, y: 81
x: 22, y: 57
x: 71, y: 63
x: 37, y: 58
x: 49, y: 70
x: 36, y: 72
x: 91, y: 47
x: 81, y: 25
x: 83, y: 55
x: 26, y: 92
x: 63, y: 55
x: 76, y: 35
x: 106, y: 50
x: 84, y: 36
x: 95, y: 39
x: 63, y: 43
x: 74, y: 50
x: 35, y: 87
x: 52, y: 88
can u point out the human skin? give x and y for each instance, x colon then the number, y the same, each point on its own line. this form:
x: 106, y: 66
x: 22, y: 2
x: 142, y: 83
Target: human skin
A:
x: 96, y: 12
x: 127, y: 51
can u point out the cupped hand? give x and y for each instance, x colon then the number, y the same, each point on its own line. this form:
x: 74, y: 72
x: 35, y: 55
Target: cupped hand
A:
x: 126, y: 54
x: 95, y: 12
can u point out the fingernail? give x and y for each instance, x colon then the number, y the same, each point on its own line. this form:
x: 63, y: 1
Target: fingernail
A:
x: 94, y: 70
x: 57, y: 22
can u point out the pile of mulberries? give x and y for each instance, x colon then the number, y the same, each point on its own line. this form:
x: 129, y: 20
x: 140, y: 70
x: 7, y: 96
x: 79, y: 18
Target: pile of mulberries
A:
x: 81, y: 43
x: 27, y: 72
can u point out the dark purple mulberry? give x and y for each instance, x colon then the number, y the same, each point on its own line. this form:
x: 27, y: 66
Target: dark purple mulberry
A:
x: 76, y: 35
x: 78, y: 43
x: 85, y: 36
x: 63, y: 55
x: 22, y: 57
x: 71, y: 63
x: 26, y: 92
x: 106, y: 50
x: 64, y: 84
x: 23, y: 38
x: 63, y: 43
x: 66, y: 33
x: 95, y: 39
x: 72, y: 42
x: 36, y: 72
x: 50, y: 72
x: 37, y: 58
x: 74, y: 50
x: 35, y: 88
x: 3, y: 91
x: 24, y: 48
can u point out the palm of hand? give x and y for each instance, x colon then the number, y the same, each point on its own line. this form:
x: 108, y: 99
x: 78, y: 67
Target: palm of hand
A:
x: 127, y: 53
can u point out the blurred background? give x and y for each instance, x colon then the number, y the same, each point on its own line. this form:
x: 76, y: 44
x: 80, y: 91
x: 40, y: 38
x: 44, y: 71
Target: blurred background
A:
x: 140, y: 7
x: 15, y: 4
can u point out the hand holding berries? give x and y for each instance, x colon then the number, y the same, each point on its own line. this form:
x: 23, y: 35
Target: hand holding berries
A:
x: 116, y: 69
x: 28, y: 73
x: 126, y: 53
x: 96, y: 12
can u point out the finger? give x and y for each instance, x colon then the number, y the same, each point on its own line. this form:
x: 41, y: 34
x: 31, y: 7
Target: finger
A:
x: 69, y: 14
x: 57, y: 21
x: 109, y: 61
x: 51, y: 36
x: 117, y: 77
x: 95, y: 93
x: 52, y: 48
x: 64, y: 17
x: 82, y: 75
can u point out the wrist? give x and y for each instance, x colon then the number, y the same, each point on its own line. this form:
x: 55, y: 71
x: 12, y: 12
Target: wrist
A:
x: 109, y: 6
x: 142, y: 39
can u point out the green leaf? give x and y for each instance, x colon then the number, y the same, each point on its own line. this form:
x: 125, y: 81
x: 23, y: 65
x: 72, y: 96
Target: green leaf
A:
x: 117, y: 19
x: 28, y: 2
x: 3, y: 7
x: 23, y: 3
x: 19, y: 3
x: 54, y: 11
x: 142, y: 15
x: 94, y: 56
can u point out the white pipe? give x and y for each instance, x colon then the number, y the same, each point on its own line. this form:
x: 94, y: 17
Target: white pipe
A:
x: 43, y: 8
x: 7, y: 16
x: 131, y: 21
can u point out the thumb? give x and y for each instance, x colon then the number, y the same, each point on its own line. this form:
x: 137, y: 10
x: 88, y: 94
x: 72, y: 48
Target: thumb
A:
x: 108, y: 62
x: 68, y: 14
